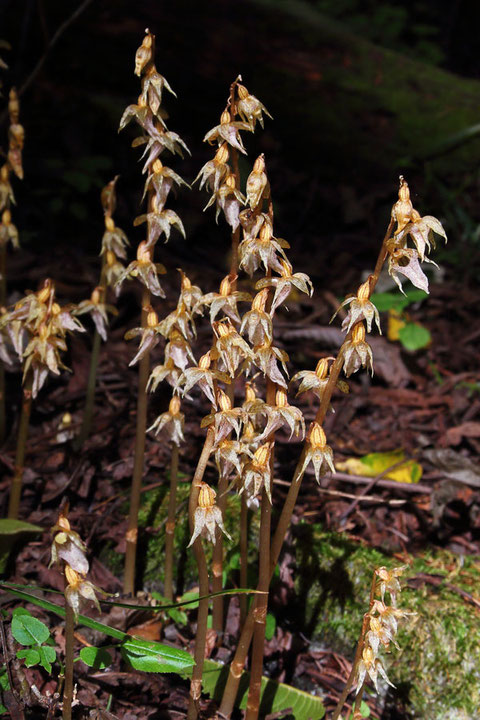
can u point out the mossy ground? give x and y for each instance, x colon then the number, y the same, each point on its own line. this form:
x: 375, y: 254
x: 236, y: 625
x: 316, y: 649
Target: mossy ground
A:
x: 436, y: 672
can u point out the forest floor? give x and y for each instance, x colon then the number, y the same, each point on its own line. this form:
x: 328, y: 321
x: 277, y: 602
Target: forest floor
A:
x: 425, y: 402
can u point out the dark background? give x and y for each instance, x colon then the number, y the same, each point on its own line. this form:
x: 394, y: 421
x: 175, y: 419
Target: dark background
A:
x: 359, y: 91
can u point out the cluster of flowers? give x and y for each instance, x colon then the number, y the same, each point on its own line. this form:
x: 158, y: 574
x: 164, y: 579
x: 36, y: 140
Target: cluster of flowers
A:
x: 160, y: 179
x: 381, y: 626
x: 16, y: 138
x: 37, y: 327
x: 69, y: 549
x: 114, y: 249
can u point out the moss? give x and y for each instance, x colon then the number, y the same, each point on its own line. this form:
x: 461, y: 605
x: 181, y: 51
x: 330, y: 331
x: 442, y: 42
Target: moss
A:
x: 436, y: 671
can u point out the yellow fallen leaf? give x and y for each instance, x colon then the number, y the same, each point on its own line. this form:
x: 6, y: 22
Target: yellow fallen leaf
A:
x: 396, y: 321
x: 373, y: 464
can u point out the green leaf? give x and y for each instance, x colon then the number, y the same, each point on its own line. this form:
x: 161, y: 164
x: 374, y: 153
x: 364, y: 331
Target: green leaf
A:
x: 176, y: 660
x: 97, y: 658
x: 144, y: 655
x: 395, y: 301
x: 30, y: 655
x: 270, y: 626
x: 11, y: 532
x: 414, y: 336
x: 275, y: 697
x: 48, y: 656
x: 27, y: 630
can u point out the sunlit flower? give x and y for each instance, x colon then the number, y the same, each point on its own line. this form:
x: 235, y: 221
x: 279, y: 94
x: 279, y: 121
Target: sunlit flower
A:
x: 389, y: 582
x: 208, y: 516
x: 317, y: 452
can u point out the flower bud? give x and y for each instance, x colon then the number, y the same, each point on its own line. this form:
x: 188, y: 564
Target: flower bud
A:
x: 144, y: 53
x: 206, y: 496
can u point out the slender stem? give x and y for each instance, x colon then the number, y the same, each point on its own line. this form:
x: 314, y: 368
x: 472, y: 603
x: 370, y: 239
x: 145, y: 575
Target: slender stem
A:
x: 90, y: 398
x: 16, y: 489
x: 3, y: 300
x: 138, y: 465
x: 202, y: 617
x: 170, y: 526
x: 243, y: 557
x: 217, y: 560
x: 68, y: 687
x: 238, y: 662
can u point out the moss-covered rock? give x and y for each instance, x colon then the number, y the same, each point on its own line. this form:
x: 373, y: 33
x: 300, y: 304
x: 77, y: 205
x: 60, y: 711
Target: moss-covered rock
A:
x: 436, y: 672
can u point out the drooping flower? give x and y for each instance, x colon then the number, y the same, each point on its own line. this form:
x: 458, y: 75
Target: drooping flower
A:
x: 145, y: 270
x: 204, y: 377
x: 282, y: 414
x: 257, y: 472
x: 230, y: 346
x: 171, y: 422
x: 317, y: 452
x: 208, y: 516
x: 257, y: 182
x: 225, y: 419
x: 256, y: 323
x: 228, y: 130
x: 361, y: 308
x: 285, y: 283
x: 357, y: 353
x: 250, y: 108
x: 225, y: 301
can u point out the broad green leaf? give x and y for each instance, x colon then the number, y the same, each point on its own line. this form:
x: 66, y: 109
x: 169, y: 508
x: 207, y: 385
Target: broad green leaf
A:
x: 395, y: 301
x: 30, y: 655
x: 97, y: 658
x: 275, y: 697
x: 48, y: 656
x: 270, y: 626
x: 176, y: 660
x: 11, y: 532
x: 373, y: 464
x: 144, y: 655
x: 414, y: 336
x: 27, y: 630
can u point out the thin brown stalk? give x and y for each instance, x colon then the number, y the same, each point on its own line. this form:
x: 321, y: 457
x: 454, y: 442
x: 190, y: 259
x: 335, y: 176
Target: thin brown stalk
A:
x: 3, y: 300
x: 170, y: 526
x: 243, y: 557
x: 238, y: 662
x: 202, y: 617
x: 16, y: 489
x: 138, y: 466
x: 68, y: 687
